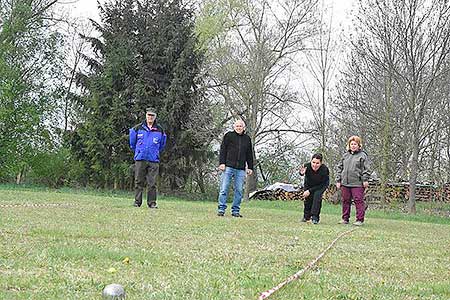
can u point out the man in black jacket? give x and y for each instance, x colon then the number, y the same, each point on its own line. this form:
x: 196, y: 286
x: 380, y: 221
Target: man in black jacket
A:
x: 235, y: 161
x: 317, y: 179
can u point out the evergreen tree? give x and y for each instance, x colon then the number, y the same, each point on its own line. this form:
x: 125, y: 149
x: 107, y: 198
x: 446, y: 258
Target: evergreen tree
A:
x: 170, y: 64
x: 145, y: 57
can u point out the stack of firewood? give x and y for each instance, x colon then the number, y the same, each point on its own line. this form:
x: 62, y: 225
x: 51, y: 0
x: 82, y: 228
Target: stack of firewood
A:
x: 374, y: 194
x: 446, y: 192
x: 278, y: 194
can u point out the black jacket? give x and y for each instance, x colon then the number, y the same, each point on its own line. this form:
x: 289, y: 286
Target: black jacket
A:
x: 236, y: 150
x: 316, y: 180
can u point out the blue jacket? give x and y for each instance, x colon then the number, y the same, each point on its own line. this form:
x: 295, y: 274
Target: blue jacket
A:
x: 147, y: 143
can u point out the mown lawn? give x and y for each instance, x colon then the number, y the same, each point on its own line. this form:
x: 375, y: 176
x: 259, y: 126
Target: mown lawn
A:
x: 184, y: 251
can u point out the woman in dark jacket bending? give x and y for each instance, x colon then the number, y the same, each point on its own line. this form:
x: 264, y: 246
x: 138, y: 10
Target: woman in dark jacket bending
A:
x: 317, y: 179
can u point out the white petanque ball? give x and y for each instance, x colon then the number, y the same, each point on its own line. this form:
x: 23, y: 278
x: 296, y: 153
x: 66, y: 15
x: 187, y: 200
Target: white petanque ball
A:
x: 113, y: 292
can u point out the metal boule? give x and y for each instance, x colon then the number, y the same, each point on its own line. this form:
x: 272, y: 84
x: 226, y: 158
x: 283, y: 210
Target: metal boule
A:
x: 113, y: 291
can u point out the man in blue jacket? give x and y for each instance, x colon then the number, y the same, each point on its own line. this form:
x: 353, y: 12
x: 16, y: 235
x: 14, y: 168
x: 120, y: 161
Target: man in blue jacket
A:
x: 147, y: 140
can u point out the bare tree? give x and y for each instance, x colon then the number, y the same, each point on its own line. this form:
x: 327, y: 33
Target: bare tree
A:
x: 425, y: 47
x: 251, y: 70
x: 402, y: 49
x: 378, y: 45
x: 321, y: 63
x: 73, y: 64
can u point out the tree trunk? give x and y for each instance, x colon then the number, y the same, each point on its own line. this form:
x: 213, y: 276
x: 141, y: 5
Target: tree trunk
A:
x: 250, y: 185
x: 413, y: 176
x: 19, y: 176
x: 200, y: 179
x: 252, y: 182
x: 323, y: 115
x: 386, y: 138
x: 448, y: 162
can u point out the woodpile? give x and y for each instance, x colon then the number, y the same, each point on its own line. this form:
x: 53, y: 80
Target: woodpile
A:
x: 394, y: 192
x: 277, y: 194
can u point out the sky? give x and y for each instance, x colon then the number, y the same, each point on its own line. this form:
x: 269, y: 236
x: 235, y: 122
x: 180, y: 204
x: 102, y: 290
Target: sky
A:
x: 82, y: 8
x: 342, y: 16
x: 342, y: 11
x: 88, y: 9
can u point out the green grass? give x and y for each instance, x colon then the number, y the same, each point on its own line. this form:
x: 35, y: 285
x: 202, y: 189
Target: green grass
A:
x: 183, y: 251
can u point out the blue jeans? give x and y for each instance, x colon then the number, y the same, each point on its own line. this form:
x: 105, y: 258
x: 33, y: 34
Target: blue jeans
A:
x: 239, y: 178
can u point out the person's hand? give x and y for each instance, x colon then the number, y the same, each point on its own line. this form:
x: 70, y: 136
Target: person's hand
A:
x: 222, y: 167
x: 302, y: 170
x: 249, y: 172
x: 338, y: 185
x: 306, y: 193
x: 365, y: 184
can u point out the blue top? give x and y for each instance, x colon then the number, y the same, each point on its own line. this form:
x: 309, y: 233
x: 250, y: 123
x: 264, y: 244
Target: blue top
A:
x: 147, y: 142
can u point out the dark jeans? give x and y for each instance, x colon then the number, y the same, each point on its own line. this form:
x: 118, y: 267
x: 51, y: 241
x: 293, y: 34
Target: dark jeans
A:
x: 357, y: 194
x: 145, y: 171
x: 313, y: 204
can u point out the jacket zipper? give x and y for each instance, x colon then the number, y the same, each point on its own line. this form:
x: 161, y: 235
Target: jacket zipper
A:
x: 239, y: 151
x: 347, y: 171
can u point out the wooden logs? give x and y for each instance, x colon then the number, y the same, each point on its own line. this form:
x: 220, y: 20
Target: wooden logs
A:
x: 374, y: 194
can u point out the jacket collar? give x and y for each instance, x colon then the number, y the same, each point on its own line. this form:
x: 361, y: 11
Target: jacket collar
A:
x: 350, y: 151
x: 154, y: 126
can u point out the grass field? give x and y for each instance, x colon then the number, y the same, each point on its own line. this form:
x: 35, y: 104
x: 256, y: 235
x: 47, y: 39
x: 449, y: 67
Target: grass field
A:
x: 184, y: 251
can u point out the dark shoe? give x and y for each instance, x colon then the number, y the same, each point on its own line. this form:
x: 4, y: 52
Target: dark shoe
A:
x: 304, y: 220
x: 237, y: 215
x: 136, y: 205
x: 153, y: 205
x: 220, y: 213
x: 315, y: 221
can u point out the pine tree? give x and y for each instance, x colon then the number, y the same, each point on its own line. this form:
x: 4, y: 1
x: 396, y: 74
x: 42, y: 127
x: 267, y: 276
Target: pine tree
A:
x: 146, y: 57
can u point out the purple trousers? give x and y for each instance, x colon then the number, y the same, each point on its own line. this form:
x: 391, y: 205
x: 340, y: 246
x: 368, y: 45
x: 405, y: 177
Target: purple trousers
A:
x: 357, y: 194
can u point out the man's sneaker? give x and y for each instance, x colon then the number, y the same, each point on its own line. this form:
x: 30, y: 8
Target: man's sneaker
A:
x: 220, y: 213
x: 358, y: 223
x: 153, y: 205
x: 344, y: 222
x: 136, y: 205
x: 304, y: 220
x: 237, y: 215
x: 315, y: 221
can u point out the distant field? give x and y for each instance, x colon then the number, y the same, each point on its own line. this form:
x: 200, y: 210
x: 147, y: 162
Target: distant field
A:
x: 73, y: 244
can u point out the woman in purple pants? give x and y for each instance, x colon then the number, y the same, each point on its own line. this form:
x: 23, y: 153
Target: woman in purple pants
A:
x: 352, y: 177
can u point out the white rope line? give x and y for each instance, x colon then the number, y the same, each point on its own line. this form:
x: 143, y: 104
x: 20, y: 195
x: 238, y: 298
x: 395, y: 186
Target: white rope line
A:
x: 297, y: 275
x: 36, y: 205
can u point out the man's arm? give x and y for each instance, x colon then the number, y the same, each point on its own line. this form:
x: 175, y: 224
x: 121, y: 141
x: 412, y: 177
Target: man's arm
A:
x: 223, y: 150
x: 133, y: 138
x: 162, y: 145
x: 249, y: 154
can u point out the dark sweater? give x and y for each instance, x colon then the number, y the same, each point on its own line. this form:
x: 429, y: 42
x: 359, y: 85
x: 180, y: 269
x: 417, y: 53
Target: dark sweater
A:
x: 236, y: 150
x: 316, y: 180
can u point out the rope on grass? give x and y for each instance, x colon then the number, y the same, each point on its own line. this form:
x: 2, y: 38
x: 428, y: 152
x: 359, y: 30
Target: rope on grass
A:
x: 297, y: 275
x: 34, y: 205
